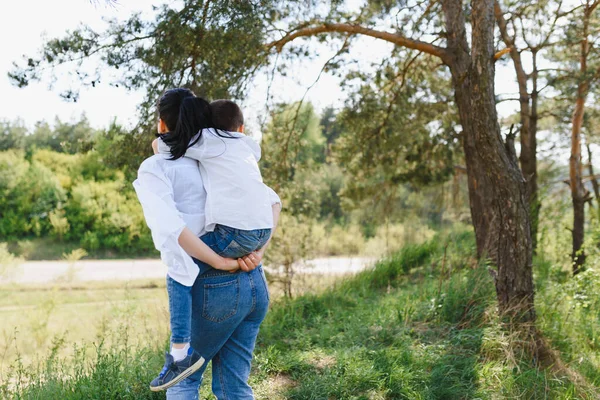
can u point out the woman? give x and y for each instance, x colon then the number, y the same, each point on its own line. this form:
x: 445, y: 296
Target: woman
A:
x: 228, y: 307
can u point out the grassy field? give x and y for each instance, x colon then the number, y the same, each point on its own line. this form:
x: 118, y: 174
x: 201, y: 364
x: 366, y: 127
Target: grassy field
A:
x: 420, y: 325
x: 325, y: 241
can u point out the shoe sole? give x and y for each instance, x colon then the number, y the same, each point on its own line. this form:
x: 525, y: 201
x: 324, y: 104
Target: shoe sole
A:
x: 195, y: 367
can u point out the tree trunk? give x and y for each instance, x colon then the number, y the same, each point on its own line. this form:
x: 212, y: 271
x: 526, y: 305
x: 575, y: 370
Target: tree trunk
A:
x: 593, y: 177
x: 528, y: 116
x: 576, y: 182
x: 575, y: 166
x: 497, y: 190
x: 530, y: 171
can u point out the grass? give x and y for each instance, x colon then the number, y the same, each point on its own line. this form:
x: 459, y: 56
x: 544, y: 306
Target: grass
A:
x: 34, y: 317
x: 420, y: 325
x: 336, y: 240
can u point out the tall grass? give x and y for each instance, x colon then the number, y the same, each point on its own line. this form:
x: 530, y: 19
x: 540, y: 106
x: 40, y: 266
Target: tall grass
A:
x: 421, y: 324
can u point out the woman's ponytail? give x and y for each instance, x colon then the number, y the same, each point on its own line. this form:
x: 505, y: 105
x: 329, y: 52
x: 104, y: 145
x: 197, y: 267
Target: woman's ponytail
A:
x: 194, y: 116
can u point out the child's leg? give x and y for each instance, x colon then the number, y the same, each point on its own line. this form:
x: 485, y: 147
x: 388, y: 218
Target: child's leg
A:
x: 234, y: 243
x: 180, y: 309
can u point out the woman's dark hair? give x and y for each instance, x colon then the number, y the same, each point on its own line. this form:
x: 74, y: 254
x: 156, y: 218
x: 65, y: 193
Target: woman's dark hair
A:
x: 185, y: 115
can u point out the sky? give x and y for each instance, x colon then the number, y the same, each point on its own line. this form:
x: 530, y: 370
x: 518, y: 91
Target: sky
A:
x: 32, y: 20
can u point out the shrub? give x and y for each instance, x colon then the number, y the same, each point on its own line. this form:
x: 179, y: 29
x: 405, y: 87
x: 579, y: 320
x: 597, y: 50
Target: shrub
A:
x: 103, y: 215
x: 30, y: 192
x: 60, y: 224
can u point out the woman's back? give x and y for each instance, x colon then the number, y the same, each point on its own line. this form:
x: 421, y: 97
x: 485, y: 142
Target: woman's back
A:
x: 184, y: 184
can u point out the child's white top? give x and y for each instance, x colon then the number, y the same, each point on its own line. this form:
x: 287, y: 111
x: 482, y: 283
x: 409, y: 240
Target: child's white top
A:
x: 172, y: 196
x: 236, y: 194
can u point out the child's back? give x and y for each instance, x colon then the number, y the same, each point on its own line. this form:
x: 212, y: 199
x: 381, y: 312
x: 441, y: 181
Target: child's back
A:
x: 236, y: 194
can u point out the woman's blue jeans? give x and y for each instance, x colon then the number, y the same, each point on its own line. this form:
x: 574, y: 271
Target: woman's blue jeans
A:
x: 225, y: 241
x: 227, y: 310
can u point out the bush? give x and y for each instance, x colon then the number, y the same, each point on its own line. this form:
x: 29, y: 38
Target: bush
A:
x: 103, y: 215
x: 29, y: 192
x: 66, y: 167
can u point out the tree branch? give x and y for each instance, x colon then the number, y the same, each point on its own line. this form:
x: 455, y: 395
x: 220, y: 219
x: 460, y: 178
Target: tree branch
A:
x: 353, y: 29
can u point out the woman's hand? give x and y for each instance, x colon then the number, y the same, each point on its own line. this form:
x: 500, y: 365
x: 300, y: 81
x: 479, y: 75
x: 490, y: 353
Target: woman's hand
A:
x: 251, y: 261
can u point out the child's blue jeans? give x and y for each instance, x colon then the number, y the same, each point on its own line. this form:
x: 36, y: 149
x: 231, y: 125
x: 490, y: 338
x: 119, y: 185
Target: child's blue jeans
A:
x: 227, y: 242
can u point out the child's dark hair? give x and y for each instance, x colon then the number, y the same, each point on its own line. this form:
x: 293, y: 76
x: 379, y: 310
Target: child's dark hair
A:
x: 226, y: 115
x: 185, y: 115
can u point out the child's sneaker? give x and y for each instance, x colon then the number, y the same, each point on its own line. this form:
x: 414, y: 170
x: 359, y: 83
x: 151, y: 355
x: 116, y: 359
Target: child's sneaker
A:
x: 175, y: 371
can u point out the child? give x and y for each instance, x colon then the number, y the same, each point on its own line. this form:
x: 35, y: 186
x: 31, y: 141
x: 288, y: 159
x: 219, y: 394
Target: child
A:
x: 239, y: 216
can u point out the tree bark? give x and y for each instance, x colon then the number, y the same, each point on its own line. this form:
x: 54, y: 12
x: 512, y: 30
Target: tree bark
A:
x: 593, y: 177
x: 576, y: 181
x: 528, y: 116
x: 575, y: 166
x: 497, y: 190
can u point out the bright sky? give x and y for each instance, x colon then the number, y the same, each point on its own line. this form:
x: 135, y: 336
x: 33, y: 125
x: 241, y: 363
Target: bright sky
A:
x: 26, y: 22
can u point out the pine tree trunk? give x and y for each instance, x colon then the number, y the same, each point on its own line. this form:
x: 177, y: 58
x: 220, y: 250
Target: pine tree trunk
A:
x: 528, y: 117
x: 578, y: 194
x: 576, y: 182
x: 497, y: 190
x: 595, y: 184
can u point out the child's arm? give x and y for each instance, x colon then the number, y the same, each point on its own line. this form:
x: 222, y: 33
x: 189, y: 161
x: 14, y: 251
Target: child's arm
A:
x: 199, y: 250
x: 155, y: 146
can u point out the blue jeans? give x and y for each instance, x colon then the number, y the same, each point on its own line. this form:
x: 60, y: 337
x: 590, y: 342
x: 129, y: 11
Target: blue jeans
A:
x: 225, y: 241
x: 227, y: 310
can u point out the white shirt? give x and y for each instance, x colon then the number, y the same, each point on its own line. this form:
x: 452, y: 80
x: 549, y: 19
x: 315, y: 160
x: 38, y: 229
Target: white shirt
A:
x: 172, y: 196
x: 236, y: 194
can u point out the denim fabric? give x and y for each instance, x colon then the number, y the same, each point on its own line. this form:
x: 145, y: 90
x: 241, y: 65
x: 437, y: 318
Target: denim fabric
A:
x: 225, y: 241
x: 180, y: 311
x: 227, y: 310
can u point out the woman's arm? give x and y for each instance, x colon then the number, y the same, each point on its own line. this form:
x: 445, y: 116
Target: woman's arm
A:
x: 168, y: 228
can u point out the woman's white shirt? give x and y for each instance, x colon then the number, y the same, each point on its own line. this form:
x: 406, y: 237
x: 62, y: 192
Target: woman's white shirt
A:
x: 172, y: 196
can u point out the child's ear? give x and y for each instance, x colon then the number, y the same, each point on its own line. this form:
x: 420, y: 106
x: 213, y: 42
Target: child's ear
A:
x: 162, y: 127
x: 241, y: 129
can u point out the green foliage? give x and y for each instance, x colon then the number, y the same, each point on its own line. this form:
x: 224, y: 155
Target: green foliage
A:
x: 103, y: 215
x: 71, y: 197
x: 127, y: 371
x: 29, y: 192
x: 397, y: 133
x: 292, y: 142
x: 64, y: 137
x: 12, y: 135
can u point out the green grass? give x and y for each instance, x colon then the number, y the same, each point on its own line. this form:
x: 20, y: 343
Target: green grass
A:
x: 420, y: 325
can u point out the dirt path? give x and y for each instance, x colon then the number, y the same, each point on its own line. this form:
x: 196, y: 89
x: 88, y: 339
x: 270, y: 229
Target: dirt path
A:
x: 129, y: 270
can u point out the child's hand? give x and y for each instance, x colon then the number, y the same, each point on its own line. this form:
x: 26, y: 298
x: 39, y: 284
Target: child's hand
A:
x: 251, y: 261
x: 155, y: 146
x: 227, y: 264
